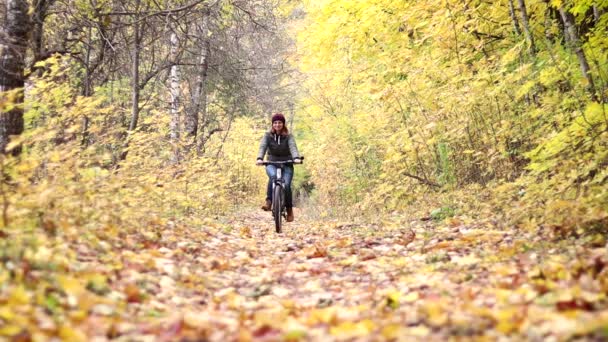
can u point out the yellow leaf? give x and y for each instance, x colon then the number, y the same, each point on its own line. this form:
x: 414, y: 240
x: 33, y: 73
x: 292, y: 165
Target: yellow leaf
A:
x: 466, y: 260
x: 392, y: 331
x: 436, y: 314
x: 245, y: 232
x: 392, y: 299
x: 71, y: 285
x: 348, y: 261
x: 507, y: 320
x: 419, y: 331
x: 6, y: 314
x: 270, y: 317
x: 9, y: 330
x: 68, y: 333
x: 78, y: 315
x: 353, y: 330
x: 411, y: 297
x: 294, y: 335
x: 19, y: 296
x: 326, y: 315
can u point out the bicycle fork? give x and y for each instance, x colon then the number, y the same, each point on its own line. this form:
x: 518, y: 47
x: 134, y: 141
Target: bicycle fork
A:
x: 279, y: 175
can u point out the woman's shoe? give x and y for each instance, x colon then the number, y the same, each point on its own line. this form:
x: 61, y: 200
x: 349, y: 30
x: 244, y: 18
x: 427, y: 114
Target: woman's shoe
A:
x: 289, y: 215
x: 267, y: 205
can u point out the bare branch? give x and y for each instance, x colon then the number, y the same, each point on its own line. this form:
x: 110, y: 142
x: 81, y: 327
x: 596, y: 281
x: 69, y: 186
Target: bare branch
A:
x: 155, y: 13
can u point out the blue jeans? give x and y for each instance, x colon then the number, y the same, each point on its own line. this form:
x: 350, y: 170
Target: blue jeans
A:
x: 271, y: 171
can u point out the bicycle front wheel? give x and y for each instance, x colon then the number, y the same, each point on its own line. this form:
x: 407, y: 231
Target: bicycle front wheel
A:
x: 277, y: 206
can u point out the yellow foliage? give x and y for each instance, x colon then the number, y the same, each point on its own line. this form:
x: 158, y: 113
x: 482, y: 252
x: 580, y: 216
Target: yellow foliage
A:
x: 403, y: 98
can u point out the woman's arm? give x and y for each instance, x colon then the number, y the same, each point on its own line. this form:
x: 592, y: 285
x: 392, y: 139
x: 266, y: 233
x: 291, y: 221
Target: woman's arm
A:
x: 293, y: 148
x: 263, y: 147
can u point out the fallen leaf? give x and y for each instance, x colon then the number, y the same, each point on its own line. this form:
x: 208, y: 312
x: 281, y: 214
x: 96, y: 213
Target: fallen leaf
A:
x: 133, y: 293
x: 348, y: 330
x: 320, y: 251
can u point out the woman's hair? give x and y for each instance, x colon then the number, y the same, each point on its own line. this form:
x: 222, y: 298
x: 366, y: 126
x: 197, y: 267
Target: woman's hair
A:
x: 283, y: 131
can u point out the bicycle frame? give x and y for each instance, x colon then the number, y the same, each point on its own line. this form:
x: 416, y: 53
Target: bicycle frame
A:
x: 279, y: 165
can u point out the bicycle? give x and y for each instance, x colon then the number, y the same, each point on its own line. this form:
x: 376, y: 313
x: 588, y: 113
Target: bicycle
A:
x: 278, y: 209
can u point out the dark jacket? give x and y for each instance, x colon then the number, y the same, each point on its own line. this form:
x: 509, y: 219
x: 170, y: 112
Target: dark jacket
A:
x: 279, y: 147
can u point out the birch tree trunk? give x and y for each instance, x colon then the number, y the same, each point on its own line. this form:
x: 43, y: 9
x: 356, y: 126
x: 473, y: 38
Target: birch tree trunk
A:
x: 174, y: 81
x: 13, y: 45
x: 577, y: 45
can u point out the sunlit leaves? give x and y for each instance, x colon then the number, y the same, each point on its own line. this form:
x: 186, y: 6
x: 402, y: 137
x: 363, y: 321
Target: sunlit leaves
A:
x: 445, y: 75
x: 579, y: 132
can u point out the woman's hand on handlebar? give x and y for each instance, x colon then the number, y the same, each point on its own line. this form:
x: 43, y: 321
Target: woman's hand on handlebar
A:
x: 259, y: 162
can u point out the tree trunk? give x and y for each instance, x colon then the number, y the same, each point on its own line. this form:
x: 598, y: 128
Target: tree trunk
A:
x: 199, y: 108
x: 526, y: 24
x: 87, y: 89
x: 38, y: 16
x: 576, y: 44
x: 174, y: 82
x: 135, y: 88
x: 13, y: 45
x: 597, y: 14
x: 514, y: 18
x: 135, y: 70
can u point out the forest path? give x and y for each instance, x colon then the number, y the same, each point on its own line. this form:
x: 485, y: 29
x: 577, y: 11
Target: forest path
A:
x: 241, y: 280
x: 237, y: 280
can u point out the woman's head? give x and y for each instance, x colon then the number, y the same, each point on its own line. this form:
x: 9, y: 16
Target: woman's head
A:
x: 278, y: 124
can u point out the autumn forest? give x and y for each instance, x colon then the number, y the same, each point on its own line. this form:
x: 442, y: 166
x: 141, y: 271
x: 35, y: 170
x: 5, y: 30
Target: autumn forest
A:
x: 454, y: 186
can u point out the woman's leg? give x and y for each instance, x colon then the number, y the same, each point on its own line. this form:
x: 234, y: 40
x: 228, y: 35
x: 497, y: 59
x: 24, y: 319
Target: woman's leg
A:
x: 271, y: 171
x: 288, y: 176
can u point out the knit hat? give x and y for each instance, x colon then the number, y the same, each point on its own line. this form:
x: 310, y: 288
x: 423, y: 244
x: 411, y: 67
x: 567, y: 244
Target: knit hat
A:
x: 278, y: 117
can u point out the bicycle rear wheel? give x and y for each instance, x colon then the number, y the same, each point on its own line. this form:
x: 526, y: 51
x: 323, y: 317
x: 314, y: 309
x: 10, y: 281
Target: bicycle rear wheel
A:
x: 277, y: 206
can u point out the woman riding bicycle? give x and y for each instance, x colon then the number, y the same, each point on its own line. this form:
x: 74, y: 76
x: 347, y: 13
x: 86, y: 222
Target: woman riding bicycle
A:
x: 281, y: 146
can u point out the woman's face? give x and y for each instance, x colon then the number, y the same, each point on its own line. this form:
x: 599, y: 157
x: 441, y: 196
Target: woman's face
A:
x: 277, y: 126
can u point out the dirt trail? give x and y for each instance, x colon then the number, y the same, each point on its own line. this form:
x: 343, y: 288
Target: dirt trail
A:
x: 241, y: 280
x: 318, y: 281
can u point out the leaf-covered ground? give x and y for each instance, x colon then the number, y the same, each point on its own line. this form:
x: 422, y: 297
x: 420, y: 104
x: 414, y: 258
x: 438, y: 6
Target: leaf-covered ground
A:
x: 319, y: 280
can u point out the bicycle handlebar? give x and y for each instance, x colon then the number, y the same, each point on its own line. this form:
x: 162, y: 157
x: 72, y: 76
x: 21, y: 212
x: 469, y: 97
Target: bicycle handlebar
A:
x: 282, y: 162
